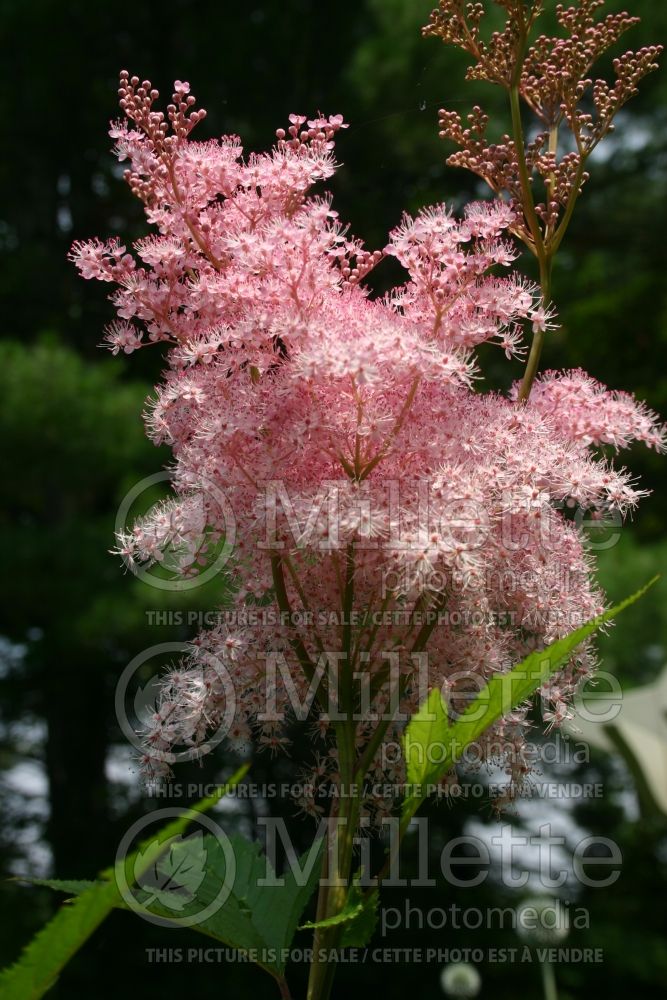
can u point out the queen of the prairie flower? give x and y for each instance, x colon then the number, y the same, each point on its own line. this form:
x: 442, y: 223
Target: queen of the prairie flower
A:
x: 402, y: 524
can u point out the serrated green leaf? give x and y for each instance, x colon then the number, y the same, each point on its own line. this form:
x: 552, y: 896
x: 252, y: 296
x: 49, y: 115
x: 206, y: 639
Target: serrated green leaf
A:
x: 73, y: 886
x: 257, y: 918
x: 43, y: 959
x: 359, y: 915
x: 360, y: 930
x: 254, y: 918
x: 430, y: 729
x: 344, y: 916
x: 278, y: 915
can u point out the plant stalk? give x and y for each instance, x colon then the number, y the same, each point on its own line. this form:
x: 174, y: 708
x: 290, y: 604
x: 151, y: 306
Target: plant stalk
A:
x: 549, y: 981
x: 533, y: 363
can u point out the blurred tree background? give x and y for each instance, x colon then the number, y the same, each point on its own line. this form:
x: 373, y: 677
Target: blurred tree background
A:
x: 72, y: 440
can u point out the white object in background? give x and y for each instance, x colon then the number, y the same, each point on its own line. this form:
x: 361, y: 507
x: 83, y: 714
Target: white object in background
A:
x: 637, y: 729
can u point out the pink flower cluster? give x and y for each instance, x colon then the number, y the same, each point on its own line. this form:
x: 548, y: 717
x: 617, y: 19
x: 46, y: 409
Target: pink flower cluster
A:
x: 387, y: 516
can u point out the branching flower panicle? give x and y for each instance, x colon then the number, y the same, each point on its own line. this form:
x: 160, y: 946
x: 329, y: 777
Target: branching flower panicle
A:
x: 540, y: 167
x: 385, y: 510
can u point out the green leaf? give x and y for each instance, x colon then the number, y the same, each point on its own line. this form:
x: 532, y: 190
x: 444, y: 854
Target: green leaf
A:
x: 279, y: 910
x: 359, y: 915
x: 49, y: 951
x: 73, y: 886
x: 256, y: 918
x: 428, y: 726
x: 360, y: 930
x: 432, y: 744
x: 352, y: 909
x: 44, y: 958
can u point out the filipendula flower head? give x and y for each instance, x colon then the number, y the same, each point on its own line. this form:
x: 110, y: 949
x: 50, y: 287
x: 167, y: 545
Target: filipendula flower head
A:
x: 372, y: 485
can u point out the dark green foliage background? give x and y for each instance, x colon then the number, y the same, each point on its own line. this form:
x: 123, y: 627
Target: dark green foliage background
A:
x: 71, y: 438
